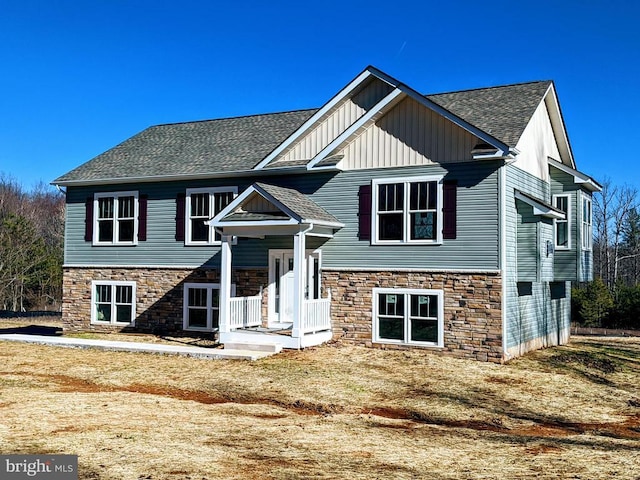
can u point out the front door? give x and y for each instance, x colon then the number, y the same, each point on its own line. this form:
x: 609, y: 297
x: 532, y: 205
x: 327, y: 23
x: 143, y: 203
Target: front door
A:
x: 281, y: 283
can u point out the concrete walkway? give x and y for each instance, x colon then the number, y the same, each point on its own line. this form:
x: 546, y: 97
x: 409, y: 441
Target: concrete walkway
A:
x: 139, y: 347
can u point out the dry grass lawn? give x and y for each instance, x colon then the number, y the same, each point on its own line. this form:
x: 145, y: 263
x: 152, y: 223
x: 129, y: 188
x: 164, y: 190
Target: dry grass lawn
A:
x: 328, y: 412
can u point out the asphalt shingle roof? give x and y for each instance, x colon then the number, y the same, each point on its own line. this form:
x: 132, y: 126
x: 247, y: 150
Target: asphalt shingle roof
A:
x: 502, y: 112
x: 193, y: 148
x: 235, y: 144
x: 301, y: 205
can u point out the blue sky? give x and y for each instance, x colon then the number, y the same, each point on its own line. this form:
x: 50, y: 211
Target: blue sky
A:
x: 79, y: 77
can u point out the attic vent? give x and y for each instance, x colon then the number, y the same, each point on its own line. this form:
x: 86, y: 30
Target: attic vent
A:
x: 483, y: 148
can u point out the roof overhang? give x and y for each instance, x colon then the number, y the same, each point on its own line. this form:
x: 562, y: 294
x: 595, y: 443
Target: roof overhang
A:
x: 399, y: 92
x: 579, y: 178
x: 278, y: 219
x: 540, y: 208
x: 289, y: 170
x: 557, y: 123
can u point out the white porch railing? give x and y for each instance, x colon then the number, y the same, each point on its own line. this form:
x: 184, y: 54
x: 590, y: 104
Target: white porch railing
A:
x: 245, y: 312
x: 317, y: 315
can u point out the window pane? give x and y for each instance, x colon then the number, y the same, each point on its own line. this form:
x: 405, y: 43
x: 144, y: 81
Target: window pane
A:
x: 125, y: 231
x: 215, y: 298
x: 391, y: 304
x: 423, y: 196
x: 103, y: 313
x: 425, y: 306
x: 562, y: 204
x: 562, y: 237
x: 215, y: 319
x: 197, y: 297
x: 222, y: 199
x: 199, y: 231
x: 200, y: 205
x: 424, y: 330
x: 390, y: 226
x: 124, y: 294
x: 126, y: 207
x: 105, y: 230
x: 197, y: 318
x: 123, y: 313
x: 105, y: 207
x: 391, y: 328
x: 390, y: 197
x: 103, y: 293
x: 423, y: 226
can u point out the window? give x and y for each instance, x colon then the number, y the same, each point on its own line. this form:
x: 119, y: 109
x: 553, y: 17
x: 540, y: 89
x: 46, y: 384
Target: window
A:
x: 563, y: 227
x: 587, y: 233
x: 201, y: 306
x: 408, y: 211
x: 203, y: 204
x: 408, y: 316
x: 113, y: 302
x: 116, y: 221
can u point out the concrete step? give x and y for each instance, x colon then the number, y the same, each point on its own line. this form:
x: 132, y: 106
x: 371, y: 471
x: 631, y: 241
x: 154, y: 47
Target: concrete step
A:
x: 254, y: 347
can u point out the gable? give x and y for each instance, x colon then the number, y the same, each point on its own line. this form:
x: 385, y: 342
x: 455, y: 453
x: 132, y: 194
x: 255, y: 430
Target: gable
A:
x: 336, y: 121
x: 537, y: 143
x: 409, y: 134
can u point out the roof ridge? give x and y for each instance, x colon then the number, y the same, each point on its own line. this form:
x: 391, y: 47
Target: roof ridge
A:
x: 488, y: 88
x: 234, y: 118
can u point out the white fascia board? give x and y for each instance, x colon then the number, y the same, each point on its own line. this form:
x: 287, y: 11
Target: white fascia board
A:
x: 557, y: 123
x: 374, y: 112
x: 231, y: 207
x: 341, y: 95
x: 580, y: 178
x: 540, y: 208
x: 322, y: 223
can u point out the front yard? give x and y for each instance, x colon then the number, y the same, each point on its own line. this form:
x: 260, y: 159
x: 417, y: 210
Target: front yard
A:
x: 328, y: 412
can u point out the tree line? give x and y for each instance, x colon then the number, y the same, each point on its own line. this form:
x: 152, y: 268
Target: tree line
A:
x: 31, y: 246
x: 612, y: 299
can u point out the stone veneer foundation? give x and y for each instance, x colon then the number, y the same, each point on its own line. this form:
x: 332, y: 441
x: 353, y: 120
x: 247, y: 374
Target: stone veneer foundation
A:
x: 472, y: 303
x: 159, y: 294
x: 472, y: 309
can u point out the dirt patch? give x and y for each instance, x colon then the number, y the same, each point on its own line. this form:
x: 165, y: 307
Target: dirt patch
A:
x: 585, y: 359
x: 539, y: 449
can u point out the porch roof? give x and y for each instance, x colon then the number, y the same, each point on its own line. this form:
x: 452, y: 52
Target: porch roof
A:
x: 264, y: 209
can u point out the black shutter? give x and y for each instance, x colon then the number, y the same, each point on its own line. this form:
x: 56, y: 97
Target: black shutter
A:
x: 180, y: 206
x: 364, y: 212
x: 88, y: 220
x: 142, y: 217
x: 449, y: 206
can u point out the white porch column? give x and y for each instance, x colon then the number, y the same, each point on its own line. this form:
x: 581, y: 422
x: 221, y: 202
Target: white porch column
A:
x: 299, y: 242
x: 225, y: 284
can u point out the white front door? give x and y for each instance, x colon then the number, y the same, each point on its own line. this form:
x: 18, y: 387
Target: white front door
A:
x: 281, y: 283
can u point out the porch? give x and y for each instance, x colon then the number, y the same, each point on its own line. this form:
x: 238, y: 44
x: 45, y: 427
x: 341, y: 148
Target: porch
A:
x: 297, y: 316
x: 247, y: 326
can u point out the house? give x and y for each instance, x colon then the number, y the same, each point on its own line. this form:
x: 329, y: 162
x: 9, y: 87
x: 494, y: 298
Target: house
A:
x: 452, y: 222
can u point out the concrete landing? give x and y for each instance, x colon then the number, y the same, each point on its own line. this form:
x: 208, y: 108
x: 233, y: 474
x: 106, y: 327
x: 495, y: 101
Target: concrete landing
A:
x: 138, y: 347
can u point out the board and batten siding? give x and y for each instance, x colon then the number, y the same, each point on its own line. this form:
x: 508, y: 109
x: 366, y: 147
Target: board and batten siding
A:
x: 409, y: 134
x: 532, y: 320
x: 337, y: 121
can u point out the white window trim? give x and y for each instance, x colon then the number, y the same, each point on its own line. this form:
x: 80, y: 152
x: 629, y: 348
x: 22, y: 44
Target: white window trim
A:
x: 406, y: 212
x: 211, y: 191
x: 586, y: 240
x: 112, y: 284
x: 96, y: 214
x: 185, y: 305
x: 407, y: 314
x: 567, y: 220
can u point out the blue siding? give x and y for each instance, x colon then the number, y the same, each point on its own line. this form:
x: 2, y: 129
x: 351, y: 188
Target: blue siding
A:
x: 530, y: 313
x: 476, y: 245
